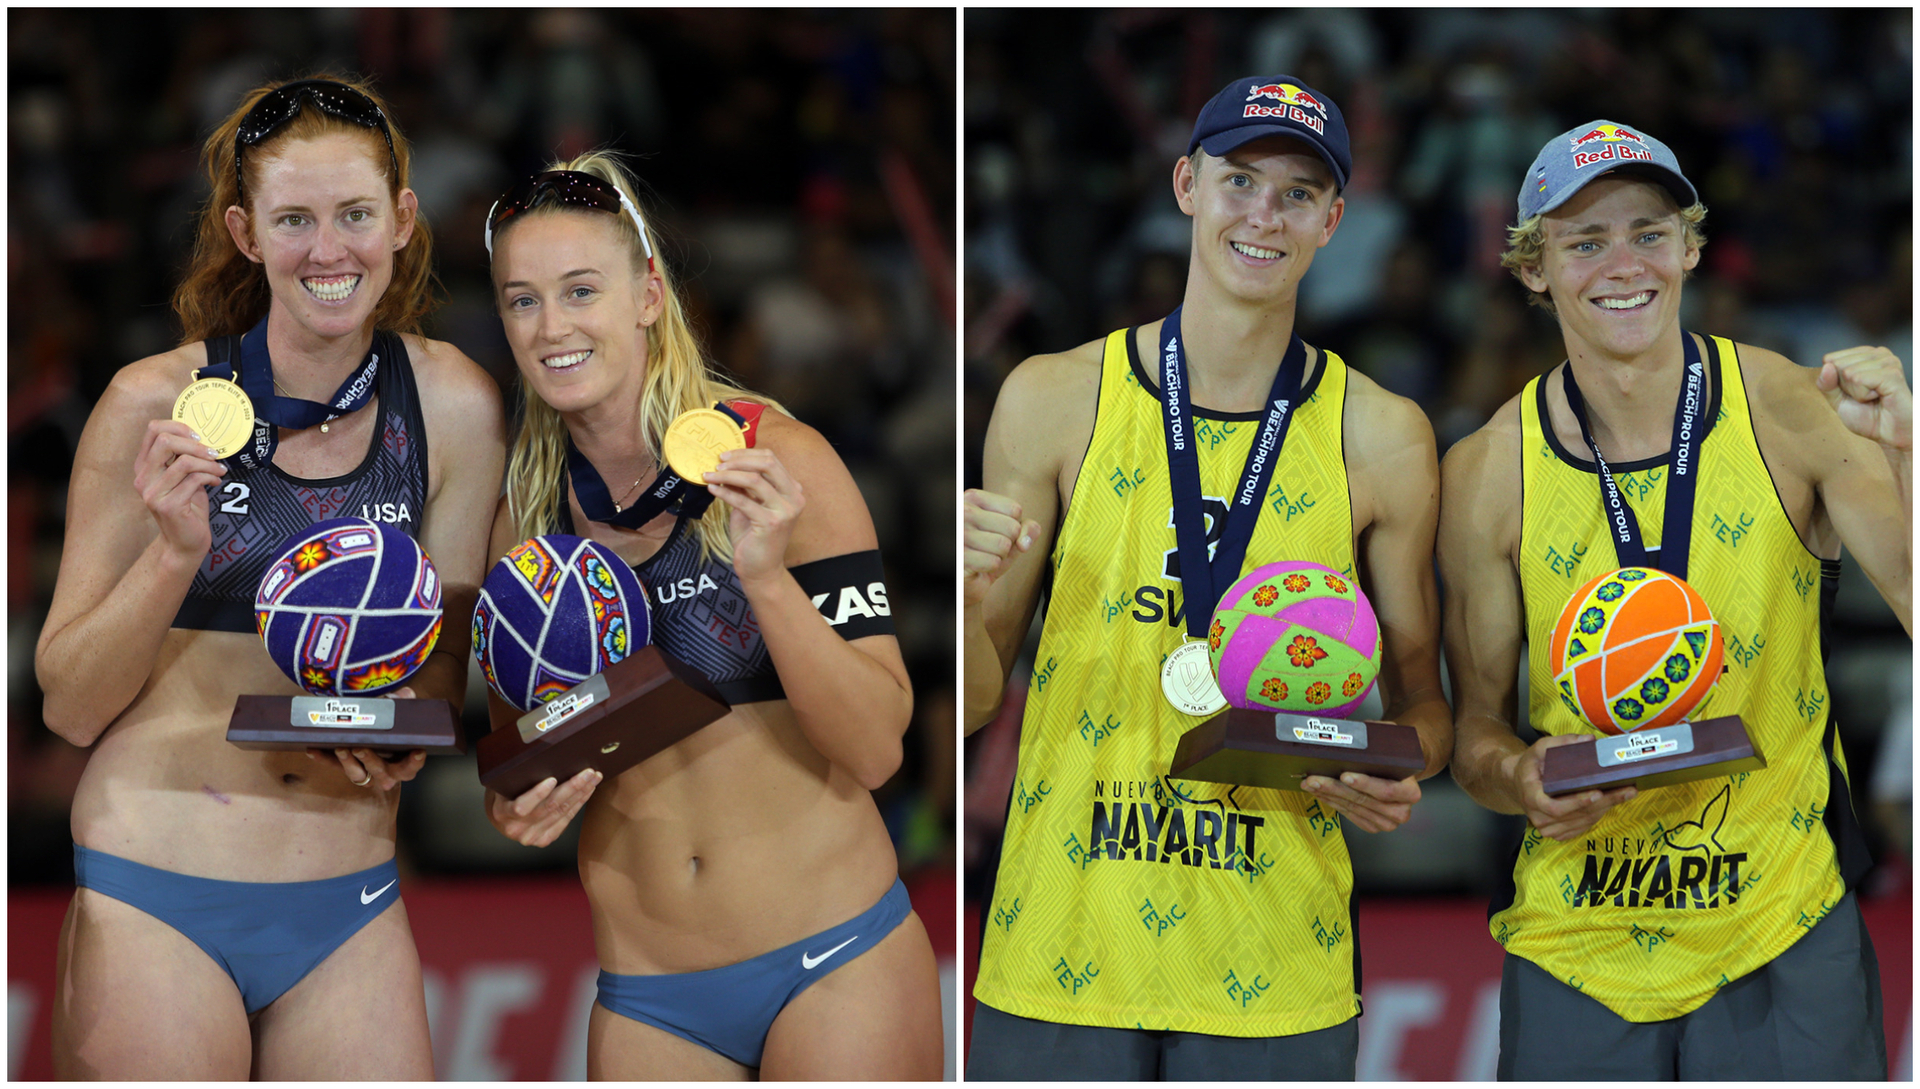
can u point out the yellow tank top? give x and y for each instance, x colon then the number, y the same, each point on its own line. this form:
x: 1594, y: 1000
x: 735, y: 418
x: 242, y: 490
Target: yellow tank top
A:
x: 1125, y: 898
x: 1688, y: 887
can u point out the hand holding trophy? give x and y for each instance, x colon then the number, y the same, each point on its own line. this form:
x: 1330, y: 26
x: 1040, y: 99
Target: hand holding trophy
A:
x: 1298, y: 639
x: 1635, y: 651
x: 561, y: 631
x: 349, y: 610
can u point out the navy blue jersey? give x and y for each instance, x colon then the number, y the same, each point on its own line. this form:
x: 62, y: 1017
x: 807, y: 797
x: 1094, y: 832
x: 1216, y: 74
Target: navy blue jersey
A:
x: 254, y: 511
x: 701, y: 616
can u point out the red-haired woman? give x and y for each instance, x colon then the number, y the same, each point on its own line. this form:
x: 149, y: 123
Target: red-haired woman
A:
x: 238, y: 911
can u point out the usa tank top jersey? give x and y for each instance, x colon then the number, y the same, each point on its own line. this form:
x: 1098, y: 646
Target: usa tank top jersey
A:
x: 701, y: 616
x: 252, y: 511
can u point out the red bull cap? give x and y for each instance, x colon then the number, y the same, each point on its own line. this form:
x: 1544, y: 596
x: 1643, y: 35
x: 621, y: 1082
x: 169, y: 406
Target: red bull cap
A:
x: 1585, y: 152
x: 1257, y: 106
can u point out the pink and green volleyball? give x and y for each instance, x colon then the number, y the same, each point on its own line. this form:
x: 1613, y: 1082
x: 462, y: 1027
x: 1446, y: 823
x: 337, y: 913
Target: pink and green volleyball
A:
x: 1295, y: 636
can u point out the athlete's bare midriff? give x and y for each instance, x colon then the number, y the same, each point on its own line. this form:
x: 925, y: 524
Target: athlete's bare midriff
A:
x: 163, y: 786
x: 738, y: 840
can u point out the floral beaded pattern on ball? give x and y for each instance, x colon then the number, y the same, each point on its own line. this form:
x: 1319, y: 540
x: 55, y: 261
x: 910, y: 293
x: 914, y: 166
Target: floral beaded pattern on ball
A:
x: 1634, y: 649
x: 1295, y: 636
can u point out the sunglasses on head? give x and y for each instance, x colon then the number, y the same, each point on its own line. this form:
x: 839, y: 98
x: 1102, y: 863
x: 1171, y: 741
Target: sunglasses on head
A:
x: 283, y: 104
x: 572, y: 189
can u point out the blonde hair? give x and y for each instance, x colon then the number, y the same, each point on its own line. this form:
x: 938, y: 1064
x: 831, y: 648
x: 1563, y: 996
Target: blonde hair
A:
x: 223, y: 292
x: 679, y: 378
x: 1527, y: 243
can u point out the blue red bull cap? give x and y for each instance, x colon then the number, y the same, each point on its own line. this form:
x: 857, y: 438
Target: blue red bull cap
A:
x: 1257, y: 106
x: 1597, y: 148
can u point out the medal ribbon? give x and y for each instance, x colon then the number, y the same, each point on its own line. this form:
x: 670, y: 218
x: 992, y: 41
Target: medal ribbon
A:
x: 1203, y: 578
x: 668, y: 489
x: 1676, y: 524
x: 270, y: 409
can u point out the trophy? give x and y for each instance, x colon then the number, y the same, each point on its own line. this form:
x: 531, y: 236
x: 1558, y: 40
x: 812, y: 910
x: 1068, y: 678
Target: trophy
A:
x: 1635, y: 651
x: 561, y: 631
x: 611, y: 721
x: 351, y: 608
x: 1294, y: 648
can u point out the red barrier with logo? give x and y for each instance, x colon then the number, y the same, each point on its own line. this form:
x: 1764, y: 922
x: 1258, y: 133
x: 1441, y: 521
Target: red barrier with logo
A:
x: 509, y: 968
x: 1432, y: 987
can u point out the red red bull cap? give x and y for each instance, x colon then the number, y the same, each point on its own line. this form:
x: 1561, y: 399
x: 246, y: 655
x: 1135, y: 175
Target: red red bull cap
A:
x: 1585, y: 152
x: 1257, y: 106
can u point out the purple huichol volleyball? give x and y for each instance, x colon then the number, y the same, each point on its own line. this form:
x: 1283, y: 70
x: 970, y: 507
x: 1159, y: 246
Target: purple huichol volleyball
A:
x: 553, y: 612
x: 350, y: 607
x: 1295, y: 636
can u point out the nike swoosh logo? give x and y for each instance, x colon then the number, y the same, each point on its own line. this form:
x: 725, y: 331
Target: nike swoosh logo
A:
x: 810, y: 963
x: 369, y: 897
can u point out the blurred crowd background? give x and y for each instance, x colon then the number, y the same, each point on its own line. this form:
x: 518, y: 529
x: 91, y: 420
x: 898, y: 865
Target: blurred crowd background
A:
x: 802, y: 169
x: 1796, y: 125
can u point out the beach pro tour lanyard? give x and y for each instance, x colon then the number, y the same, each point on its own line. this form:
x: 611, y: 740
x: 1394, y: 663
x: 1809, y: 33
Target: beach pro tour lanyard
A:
x: 295, y: 413
x: 668, y: 488
x: 1202, y: 577
x: 1676, y: 525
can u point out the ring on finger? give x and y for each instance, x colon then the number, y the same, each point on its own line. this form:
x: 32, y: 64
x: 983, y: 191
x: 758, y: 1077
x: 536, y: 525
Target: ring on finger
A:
x: 364, y: 782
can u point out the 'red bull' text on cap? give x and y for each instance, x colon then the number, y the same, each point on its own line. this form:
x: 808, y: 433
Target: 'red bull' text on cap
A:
x: 1257, y: 106
x: 1585, y: 152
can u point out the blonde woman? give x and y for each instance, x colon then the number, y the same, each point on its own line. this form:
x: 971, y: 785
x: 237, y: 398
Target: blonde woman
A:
x: 238, y: 911
x: 747, y: 910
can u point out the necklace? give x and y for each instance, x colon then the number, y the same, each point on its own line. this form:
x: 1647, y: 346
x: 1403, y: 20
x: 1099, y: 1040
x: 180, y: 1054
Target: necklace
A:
x: 285, y: 392
x: 622, y: 501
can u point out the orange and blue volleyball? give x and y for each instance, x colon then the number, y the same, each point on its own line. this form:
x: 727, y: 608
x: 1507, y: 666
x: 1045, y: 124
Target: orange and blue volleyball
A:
x: 349, y: 607
x: 1296, y: 637
x: 1634, y: 649
x: 553, y: 612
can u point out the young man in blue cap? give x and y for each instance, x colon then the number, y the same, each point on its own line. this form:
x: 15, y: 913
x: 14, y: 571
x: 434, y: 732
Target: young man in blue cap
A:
x: 1143, y: 926
x: 1704, y: 929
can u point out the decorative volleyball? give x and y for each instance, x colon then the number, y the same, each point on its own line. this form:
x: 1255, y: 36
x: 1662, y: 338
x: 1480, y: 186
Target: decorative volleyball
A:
x: 553, y: 612
x: 1295, y: 636
x: 1634, y: 649
x: 349, y: 607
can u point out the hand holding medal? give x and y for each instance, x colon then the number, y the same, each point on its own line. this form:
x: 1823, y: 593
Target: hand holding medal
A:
x: 180, y: 458
x: 708, y: 447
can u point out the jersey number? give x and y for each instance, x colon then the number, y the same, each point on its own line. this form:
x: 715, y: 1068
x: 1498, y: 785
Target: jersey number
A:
x: 237, y: 504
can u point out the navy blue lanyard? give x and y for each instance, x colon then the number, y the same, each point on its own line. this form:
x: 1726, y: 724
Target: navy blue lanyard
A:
x: 1203, y: 578
x: 271, y: 410
x: 1683, y: 473
x: 668, y: 489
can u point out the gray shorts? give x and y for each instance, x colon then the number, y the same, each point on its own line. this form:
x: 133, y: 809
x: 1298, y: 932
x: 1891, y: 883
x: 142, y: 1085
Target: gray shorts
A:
x: 1007, y: 1047
x: 1813, y: 1013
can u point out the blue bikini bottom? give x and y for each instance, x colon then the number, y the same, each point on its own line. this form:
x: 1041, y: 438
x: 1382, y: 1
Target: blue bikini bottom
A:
x: 729, y: 1009
x: 266, y: 936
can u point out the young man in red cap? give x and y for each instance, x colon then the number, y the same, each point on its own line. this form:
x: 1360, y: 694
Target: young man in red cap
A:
x: 1145, y: 926
x: 1704, y: 929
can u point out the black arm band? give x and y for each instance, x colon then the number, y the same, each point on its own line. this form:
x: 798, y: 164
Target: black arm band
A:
x: 850, y: 591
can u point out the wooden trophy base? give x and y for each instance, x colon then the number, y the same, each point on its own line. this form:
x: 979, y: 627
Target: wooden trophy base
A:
x: 1268, y: 749
x: 611, y: 721
x: 1680, y: 753
x: 291, y: 723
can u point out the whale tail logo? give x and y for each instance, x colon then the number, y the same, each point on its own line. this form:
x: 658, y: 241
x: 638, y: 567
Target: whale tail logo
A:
x: 1703, y: 835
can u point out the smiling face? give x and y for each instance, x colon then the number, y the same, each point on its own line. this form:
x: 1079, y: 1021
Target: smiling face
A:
x: 1260, y: 213
x: 574, y: 307
x: 1614, y: 258
x: 325, y: 229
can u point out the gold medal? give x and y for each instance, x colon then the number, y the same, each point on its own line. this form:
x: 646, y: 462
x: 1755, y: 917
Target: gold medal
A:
x: 695, y: 440
x: 1186, y: 679
x: 219, y: 411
